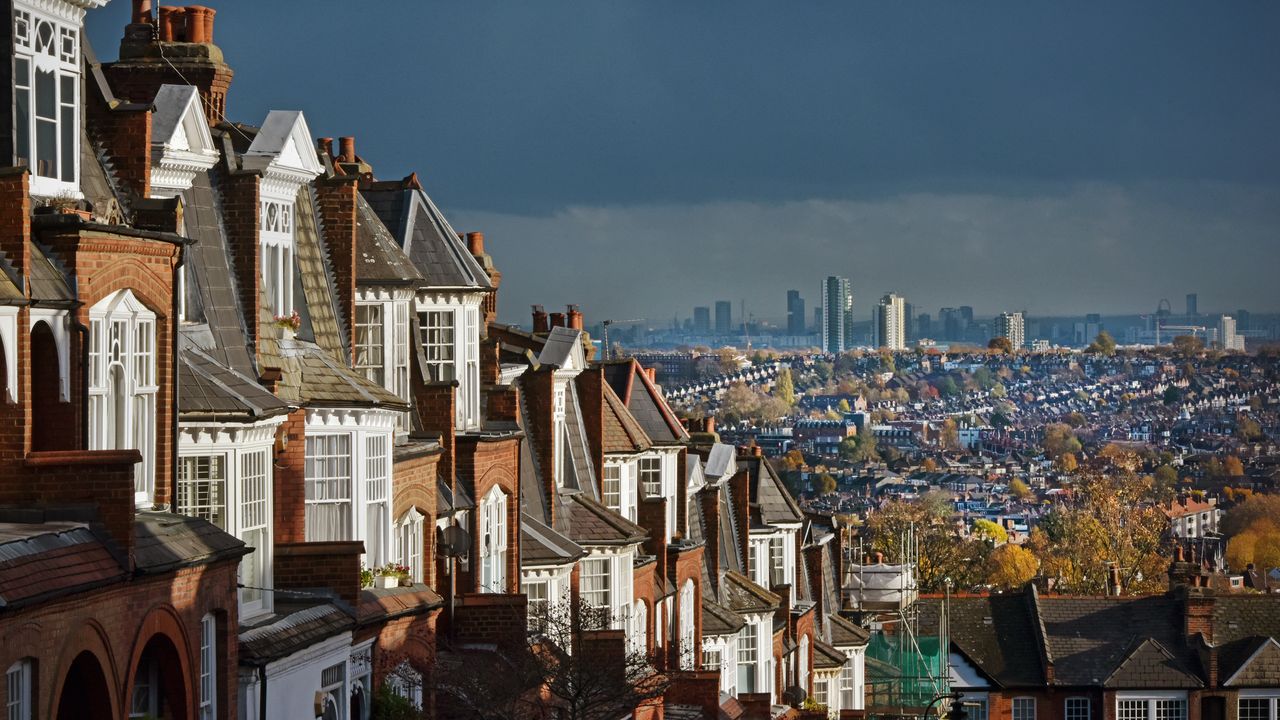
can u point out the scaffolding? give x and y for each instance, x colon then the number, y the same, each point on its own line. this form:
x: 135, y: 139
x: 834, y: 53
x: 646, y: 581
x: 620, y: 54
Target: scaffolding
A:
x: 906, y: 664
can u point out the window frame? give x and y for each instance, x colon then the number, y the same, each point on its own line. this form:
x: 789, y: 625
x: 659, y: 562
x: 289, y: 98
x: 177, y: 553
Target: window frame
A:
x: 1022, y: 700
x: 437, y: 336
x: 207, y: 708
x: 1071, y: 708
x: 60, y: 59
x: 276, y: 240
x: 605, y: 591
x: 371, y: 341
x: 493, y: 541
x: 123, y: 335
x: 1271, y: 699
x: 1151, y: 700
x: 21, y: 675
x: 339, y: 465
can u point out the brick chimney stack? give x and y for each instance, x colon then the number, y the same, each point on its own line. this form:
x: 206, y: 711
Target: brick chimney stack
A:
x: 557, y: 319
x: 540, y: 323
x: 475, y: 245
x: 575, y: 317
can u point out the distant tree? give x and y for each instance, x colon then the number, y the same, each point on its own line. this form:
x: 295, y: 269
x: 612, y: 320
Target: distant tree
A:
x: 1165, y: 481
x: 784, y: 389
x: 1103, y: 344
x: 929, y: 465
x: 739, y: 402
x: 1020, y: 490
x: 943, y: 554
x: 1011, y: 566
x: 1059, y: 440
x: 1248, y: 429
x: 1232, y: 466
x: 1249, y: 512
x: 937, y: 504
x: 999, y: 419
x: 824, y: 484
x: 1000, y: 344
x: 843, y: 406
x: 793, y: 460
x: 1172, y: 395
x: 947, y: 387
x: 998, y: 390
x: 1188, y: 345
x: 992, y: 532
x: 984, y: 378
x: 1067, y: 462
x: 1075, y: 419
x: 949, y: 436
x: 859, y: 448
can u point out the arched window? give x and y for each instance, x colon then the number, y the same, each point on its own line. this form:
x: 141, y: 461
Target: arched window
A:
x: 687, y: 630
x: 409, y: 543
x: 48, y: 424
x: 122, y: 383
x: 493, y: 542
x: 19, y: 680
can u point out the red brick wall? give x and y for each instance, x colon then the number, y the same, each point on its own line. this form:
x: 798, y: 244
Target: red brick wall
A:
x: 240, y: 216
x: 126, y: 136
x: 337, y: 200
x: 491, y: 618
x: 686, y: 565
x: 700, y: 688
x: 489, y: 463
x: 289, y: 504
x: 139, y: 80
x: 414, y: 486
x: 409, y: 639
x: 102, y: 478
x: 331, y: 565
x: 15, y: 218
x: 115, y: 623
x: 591, y: 395
x: 435, y: 403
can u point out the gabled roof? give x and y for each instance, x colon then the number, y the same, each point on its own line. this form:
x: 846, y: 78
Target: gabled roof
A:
x: 769, y: 499
x: 288, y: 633
x: 1148, y: 665
x: 844, y: 633
x: 562, y: 349
x: 379, y: 259
x: 622, y: 434
x: 719, y: 620
x: 316, y: 378
x: 744, y: 596
x: 721, y: 462
x: 284, y: 144
x: 1252, y: 662
x: 631, y: 383
x: 425, y: 235
x: 179, y: 129
x: 826, y: 657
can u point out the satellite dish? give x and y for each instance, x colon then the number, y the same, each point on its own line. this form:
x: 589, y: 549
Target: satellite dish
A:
x: 795, y: 696
x: 454, y: 541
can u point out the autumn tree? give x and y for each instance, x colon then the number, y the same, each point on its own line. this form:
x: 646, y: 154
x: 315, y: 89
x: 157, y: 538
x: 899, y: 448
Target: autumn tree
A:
x: 929, y: 465
x: 1011, y: 566
x: 949, y: 435
x: 859, y: 448
x: 1188, y: 345
x: 1000, y: 344
x: 1067, y: 462
x: 1020, y: 490
x: 824, y: 484
x: 784, y: 389
x: 1103, y: 344
x: 1248, y: 429
x: 1059, y: 440
x: 1232, y: 466
x: 943, y: 553
x: 1253, y: 531
x: 992, y: 532
x: 1165, y: 482
x: 739, y: 402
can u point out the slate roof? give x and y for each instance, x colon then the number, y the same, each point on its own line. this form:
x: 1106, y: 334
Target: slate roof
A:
x: 744, y: 596
x: 48, y: 279
x: 314, y: 377
x: 424, y: 233
x: 381, y: 604
x: 994, y: 633
x: 211, y: 389
x: 844, y: 633
x: 1148, y: 665
x: 1090, y: 637
x: 719, y: 620
x: 590, y: 523
x: 769, y: 499
x: 164, y: 541
x: 541, y: 545
x: 1255, y: 662
x: 826, y: 657
x: 48, y: 559
x: 379, y: 259
x: 622, y: 434
x: 720, y: 461
x: 631, y: 384
x: 287, y: 633
x: 558, y: 346
x: 328, y: 328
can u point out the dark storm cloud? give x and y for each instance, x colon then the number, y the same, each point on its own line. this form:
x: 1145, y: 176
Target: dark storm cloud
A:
x: 514, y: 113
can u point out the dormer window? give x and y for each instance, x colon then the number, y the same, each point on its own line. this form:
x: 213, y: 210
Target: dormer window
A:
x: 46, y: 92
x: 277, y: 255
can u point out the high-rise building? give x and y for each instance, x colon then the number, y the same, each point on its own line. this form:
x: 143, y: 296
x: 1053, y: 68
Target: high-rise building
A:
x: 702, y: 320
x: 1242, y: 320
x: 1228, y: 338
x: 909, y: 322
x: 890, y: 323
x: 1192, y: 302
x: 1011, y: 325
x: 837, y: 314
x: 795, y: 313
x: 924, y: 325
x: 817, y: 319
x: 953, y: 323
x: 724, y: 317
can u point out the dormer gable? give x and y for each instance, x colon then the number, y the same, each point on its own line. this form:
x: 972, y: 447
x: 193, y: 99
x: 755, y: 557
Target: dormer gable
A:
x: 563, y: 351
x: 181, y: 144
x: 284, y: 152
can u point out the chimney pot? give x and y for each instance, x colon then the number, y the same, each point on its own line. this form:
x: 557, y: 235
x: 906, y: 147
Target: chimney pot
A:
x: 170, y: 17
x: 557, y: 319
x: 575, y: 317
x: 475, y: 243
x: 652, y: 372
x: 199, y: 24
x: 347, y: 149
x: 142, y: 11
x: 756, y: 451
x: 325, y: 145
x: 710, y: 424
x: 540, y: 324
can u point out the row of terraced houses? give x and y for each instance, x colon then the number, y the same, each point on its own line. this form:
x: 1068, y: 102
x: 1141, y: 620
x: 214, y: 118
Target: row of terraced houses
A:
x: 241, y: 372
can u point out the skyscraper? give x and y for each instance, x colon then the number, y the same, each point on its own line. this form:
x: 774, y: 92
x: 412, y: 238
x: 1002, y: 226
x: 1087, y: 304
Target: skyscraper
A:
x: 890, y: 323
x: 724, y: 317
x: 702, y: 320
x: 1228, y: 338
x: 795, y: 313
x: 909, y: 322
x: 837, y: 314
x: 1011, y: 325
x: 1192, y: 302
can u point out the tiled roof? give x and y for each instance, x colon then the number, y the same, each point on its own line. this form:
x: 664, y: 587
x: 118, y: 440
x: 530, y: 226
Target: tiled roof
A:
x: 826, y: 657
x: 209, y: 388
x: 48, y: 279
x: 541, y: 545
x: 424, y: 233
x: 1255, y: 662
x: 1148, y: 665
x: 846, y: 634
x: 380, y: 604
x: 768, y: 496
x: 41, y: 560
x: 744, y: 596
x: 994, y: 633
x: 1090, y: 637
x: 379, y: 259
x: 642, y: 398
x: 622, y: 434
x: 316, y: 301
x: 590, y: 523
x: 164, y: 541
x: 288, y: 633
x: 313, y: 376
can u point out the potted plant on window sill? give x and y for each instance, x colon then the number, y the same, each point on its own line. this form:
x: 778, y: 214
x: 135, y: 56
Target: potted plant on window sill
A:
x: 289, y: 324
x: 64, y: 205
x: 391, y: 576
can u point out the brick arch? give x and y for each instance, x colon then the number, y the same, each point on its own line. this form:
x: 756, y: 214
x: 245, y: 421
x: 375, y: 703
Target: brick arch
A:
x: 91, y: 638
x: 140, y: 278
x: 163, y: 622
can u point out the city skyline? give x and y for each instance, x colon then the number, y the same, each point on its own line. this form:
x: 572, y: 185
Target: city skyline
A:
x: 1099, y: 174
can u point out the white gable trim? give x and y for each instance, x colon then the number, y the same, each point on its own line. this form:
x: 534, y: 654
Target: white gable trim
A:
x: 284, y: 152
x: 181, y: 144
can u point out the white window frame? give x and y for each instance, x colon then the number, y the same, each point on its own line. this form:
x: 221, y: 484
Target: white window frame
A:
x: 649, y: 475
x: 18, y: 691
x: 1023, y: 708
x: 204, y: 495
x: 981, y: 699
x: 848, y: 684
x: 439, y: 329
x: 371, y: 341
x: 461, y: 345
x: 688, y: 630
x: 277, y: 222
x: 493, y: 542
x: 748, y: 658
x: 1271, y: 697
x: 353, y: 466
x: 639, y: 632
x: 559, y: 431
x: 802, y: 667
x: 596, y: 582
x: 123, y: 340
x: 377, y: 498
x: 611, y: 486
x: 409, y: 543
x: 60, y: 58
x: 1152, y: 701
x: 330, y: 485
x: 208, y: 698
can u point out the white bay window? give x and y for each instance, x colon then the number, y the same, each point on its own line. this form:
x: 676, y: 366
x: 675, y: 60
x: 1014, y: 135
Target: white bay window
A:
x: 493, y: 542
x: 449, y: 334
x: 46, y: 85
x: 348, y: 479
x: 328, y: 491
x: 382, y: 341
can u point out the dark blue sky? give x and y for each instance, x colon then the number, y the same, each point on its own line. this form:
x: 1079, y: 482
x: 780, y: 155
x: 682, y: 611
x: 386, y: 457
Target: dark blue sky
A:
x: 643, y: 157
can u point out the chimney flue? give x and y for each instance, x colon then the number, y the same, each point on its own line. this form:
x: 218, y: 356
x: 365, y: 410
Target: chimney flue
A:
x: 142, y: 12
x: 575, y: 317
x: 325, y: 145
x: 200, y: 24
x: 540, y: 320
x: 475, y: 243
x: 557, y: 319
x: 347, y: 149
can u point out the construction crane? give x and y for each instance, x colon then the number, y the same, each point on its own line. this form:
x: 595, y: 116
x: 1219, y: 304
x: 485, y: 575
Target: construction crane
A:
x: 1193, y: 328
x: 606, y: 323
